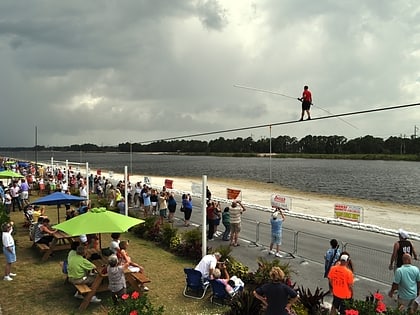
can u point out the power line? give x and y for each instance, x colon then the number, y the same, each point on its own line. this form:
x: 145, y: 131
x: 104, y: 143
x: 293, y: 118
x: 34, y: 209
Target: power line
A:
x: 282, y: 123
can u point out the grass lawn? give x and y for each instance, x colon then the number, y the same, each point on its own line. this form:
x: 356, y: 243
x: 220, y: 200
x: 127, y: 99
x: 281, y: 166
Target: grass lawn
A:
x: 39, y: 286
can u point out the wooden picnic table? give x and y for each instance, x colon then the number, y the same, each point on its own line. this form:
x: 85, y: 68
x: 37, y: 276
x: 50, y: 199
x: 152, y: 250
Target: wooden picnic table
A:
x: 135, y: 279
x: 61, y: 241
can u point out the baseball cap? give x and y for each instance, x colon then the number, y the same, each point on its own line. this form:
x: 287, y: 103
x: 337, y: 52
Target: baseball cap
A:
x: 344, y: 257
x: 403, y: 233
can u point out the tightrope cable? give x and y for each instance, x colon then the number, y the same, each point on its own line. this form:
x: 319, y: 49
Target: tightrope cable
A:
x: 194, y: 135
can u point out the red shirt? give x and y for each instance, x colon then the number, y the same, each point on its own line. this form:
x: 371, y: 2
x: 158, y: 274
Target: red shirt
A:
x: 307, y: 96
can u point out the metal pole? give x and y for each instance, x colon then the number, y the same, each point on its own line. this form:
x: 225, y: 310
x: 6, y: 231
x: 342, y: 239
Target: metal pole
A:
x: 271, y: 179
x: 36, y: 147
x: 203, y: 224
x: 131, y: 158
x: 67, y: 172
x: 87, y: 181
x: 125, y: 190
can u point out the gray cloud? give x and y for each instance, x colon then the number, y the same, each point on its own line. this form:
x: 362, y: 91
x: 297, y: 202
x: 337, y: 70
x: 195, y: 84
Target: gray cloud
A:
x: 108, y: 72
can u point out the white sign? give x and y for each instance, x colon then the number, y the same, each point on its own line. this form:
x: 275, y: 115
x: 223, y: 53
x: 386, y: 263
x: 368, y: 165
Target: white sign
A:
x: 348, y: 212
x: 278, y: 201
x: 147, y: 181
x: 196, y: 188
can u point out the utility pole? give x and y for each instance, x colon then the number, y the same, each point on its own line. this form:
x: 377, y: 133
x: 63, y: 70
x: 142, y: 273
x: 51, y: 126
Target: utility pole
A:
x: 415, y: 131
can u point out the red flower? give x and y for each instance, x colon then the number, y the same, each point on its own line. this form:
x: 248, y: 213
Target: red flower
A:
x: 135, y: 295
x: 125, y: 296
x: 134, y: 312
x: 378, y: 296
x: 352, y: 312
x: 381, y: 307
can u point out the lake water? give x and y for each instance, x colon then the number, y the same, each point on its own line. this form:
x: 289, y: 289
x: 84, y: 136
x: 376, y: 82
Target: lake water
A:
x: 391, y: 181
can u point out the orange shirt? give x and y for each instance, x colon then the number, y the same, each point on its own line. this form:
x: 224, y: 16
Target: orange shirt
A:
x: 341, y: 279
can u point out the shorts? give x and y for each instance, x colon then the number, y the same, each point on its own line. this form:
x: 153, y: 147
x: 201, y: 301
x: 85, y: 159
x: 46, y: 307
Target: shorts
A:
x: 10, y: 256
x: 339, y: 304
x: 408, y: 304
x: 162, y: 212
x: 154, y: 203
x: 235, y: 227
x: 24, y: 195
x: 306, y: 105
x: 276, y: 239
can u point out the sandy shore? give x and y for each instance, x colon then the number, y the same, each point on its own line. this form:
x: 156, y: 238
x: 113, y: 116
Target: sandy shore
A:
x: 385, y: 215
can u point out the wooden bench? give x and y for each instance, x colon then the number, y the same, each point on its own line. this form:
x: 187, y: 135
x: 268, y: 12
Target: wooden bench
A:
x: 140, y: 277
x: 42, y: 247
x: 82, y: 288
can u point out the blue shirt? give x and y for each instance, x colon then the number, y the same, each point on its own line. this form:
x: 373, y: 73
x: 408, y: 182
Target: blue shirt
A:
x: 407, y: 277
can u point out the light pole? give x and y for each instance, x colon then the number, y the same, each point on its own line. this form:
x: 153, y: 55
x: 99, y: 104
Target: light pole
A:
x: 131, y: 158
x: 271, y: 180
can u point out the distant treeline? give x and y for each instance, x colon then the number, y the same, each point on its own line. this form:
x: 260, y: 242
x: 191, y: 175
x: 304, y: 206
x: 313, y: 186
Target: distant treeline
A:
x: 281, y: 145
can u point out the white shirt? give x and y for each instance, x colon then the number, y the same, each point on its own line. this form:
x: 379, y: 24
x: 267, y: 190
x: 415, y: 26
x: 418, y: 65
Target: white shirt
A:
x: 7, y: 239
x: 206, y: 263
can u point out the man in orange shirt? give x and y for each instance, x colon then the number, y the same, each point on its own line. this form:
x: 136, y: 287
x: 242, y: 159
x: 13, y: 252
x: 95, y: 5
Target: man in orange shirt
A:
x: 306, y: 100
x: 341, y: 280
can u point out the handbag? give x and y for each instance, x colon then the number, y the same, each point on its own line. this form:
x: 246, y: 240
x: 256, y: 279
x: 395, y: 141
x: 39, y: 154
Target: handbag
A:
x: 182, y: 209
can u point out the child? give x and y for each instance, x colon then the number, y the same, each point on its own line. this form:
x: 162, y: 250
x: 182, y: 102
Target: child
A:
x: 116, y: 278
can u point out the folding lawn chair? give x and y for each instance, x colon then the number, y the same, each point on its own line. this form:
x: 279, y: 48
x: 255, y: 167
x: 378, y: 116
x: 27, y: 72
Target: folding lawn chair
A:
x: 195, y: 287
x: 219, y: 295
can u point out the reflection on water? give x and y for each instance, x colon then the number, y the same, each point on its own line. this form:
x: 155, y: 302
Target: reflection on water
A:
x: 394, y: 181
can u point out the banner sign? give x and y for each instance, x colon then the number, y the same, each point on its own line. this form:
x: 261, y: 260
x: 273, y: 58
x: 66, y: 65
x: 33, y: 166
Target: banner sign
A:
x: 233, y: 194
x: 278, y: 201
x: 168, y: 183
x: 348, y: 212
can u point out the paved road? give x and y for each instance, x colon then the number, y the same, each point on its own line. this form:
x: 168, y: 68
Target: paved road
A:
x: 370, y: 251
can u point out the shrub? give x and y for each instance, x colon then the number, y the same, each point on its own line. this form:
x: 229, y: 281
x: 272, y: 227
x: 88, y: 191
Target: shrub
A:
x: 168, y: 232
x: 134, y: 304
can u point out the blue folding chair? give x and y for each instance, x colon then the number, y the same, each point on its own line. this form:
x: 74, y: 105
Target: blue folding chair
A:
x: 220, y: 296
x: 195, y: 287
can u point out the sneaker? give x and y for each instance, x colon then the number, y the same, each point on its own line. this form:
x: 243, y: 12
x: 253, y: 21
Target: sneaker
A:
x: 95, y: 299
x: 271, y: 252
x: 145, y: 289
x: 7, y: 278
x: 12, y: 274
x: 78, y: 296
x: 279, y: 255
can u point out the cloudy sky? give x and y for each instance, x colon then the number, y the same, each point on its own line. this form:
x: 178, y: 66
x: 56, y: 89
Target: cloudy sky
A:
x: 108, y: 72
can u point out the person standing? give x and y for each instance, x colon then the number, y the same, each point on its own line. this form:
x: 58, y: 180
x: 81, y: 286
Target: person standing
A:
x: 401, y: 247
x: 276, y: 296
x: 146, y: 201
x: 331, y: 256
x: 276, y: 231
x: 235, y: 221
x: 8, y: 250
x: 306, y: 100
x: 226, y: 224
x: 187, y: 206
x: 407, y: 282
x: 163, y: 206
x: 341, y: 281
x: 171, y: 207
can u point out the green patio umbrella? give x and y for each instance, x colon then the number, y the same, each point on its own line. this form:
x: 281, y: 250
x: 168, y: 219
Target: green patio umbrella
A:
x: 98, y: 220
x: 10, y: 174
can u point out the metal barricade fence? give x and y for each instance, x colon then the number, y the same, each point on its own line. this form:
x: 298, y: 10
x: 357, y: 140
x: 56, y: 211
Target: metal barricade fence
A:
x: 370, y: 263
x: 263, y: 235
